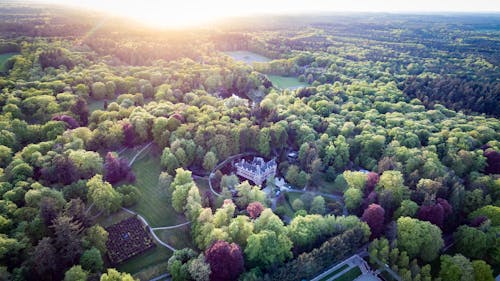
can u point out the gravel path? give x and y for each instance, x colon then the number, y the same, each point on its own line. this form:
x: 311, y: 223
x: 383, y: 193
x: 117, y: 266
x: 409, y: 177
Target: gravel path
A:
x: 151, y: 229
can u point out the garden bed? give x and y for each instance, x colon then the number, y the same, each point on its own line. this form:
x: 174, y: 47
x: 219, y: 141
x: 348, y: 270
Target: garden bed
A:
x: 127, y: 239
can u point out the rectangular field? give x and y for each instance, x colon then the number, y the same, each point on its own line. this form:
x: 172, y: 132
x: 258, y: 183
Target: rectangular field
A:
x: 3, y: 60
x: 284, y: 82
x: 247, y: 57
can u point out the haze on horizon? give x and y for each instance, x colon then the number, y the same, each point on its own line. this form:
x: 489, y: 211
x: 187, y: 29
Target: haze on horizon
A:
x: 196, y: 12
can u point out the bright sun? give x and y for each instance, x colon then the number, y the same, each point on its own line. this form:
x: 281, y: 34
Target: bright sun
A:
x: 167, y: 13
x: 185, y: 13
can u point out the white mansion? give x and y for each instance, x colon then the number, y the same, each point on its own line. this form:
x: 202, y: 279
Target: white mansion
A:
x: 257, y: 171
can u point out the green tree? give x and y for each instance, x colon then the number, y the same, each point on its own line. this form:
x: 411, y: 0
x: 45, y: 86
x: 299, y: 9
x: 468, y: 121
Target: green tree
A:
x: 267, y: 248
x: 178, y: 264
x: 45, y: 259
x: 169, y: 161
x: 248, y: 194
x: 297, y: 204
x: 353, y: 199
x: 180, y: 188
x: 456, y: 268
x: 209, y: 161
x: 240, y: 229
x: 96, y: 236
x: 269, y: 221
x: 408, y: 209
x: 160, y: 132
x: 92, y: 260
x: 482, y: 271
x: 99, y: 90
x: 199, y: 269
x: 471, y: 242
x: 355, y: 179
x: 130, y: 194
x: 5, y: 155
x: 318, y: 205
x: 419, y: 238
x: 67, y: 239
x: 340, y: 153
x: 292, y: 174
x: 87, y: 163
x: 391, y: 183
x: 114, y: 275
x: 76, y: 273
x: 102, y: 195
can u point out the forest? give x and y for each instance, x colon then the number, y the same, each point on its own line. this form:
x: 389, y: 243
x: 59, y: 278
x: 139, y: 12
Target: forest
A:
x: 116, y: 141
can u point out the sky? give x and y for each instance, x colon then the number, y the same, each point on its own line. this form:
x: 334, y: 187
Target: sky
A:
x: 193, y: 12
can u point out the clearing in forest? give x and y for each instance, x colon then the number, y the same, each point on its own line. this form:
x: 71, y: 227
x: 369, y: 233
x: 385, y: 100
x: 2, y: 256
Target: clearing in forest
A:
x: 3, y: 60
x: 247, y: 57
x: 284, y: 82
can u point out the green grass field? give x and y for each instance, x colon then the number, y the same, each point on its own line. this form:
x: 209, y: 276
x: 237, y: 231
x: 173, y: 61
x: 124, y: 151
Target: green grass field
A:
x: 153, y: 204
x: 333, y: 273
x: 96, y: 104
x: 154, y: 207
x: 153, y: 257
x: 4, y: 58
x: 114, y: 218
x: 179, y: 238
x: 286, y: 82
x: 247, y: 57
x: 350, y: 275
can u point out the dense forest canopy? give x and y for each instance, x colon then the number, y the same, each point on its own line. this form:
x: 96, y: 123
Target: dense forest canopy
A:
x: 390, y: 142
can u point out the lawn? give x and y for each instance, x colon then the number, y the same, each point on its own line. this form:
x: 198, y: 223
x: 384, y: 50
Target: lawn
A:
x: 202, y: 185
x: 247, y: 57
x: 178, y: 238
x: 155, y: 208
x: 3, y: 59
x: 96, y: 104
x: 153, y: 204
x: 153, y: 257
x: 350, y: 275
x: 284, y: 82
x: 117, y: 217
x: 334, y: 272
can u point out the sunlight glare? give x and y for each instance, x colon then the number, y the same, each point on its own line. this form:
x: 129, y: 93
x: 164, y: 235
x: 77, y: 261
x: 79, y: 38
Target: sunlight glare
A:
x: 187, y: 13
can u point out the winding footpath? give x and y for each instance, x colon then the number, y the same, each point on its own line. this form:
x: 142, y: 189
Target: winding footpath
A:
x: 151, y: 229
x: 220, y: 166
x: 139, y: 153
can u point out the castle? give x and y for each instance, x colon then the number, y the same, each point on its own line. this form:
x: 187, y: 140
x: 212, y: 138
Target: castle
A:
x: 257, y: 171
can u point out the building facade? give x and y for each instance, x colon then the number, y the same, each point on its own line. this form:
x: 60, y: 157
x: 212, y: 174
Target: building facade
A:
x: 257, y: 170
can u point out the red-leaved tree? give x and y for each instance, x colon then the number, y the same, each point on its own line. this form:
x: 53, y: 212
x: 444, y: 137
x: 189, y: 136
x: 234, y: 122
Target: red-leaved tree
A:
x: 371, y: 180
x: 436, y: 213
x: 117, y: 169
x: 254, y: 209
x: 493, y: 161
x: 374, y: 217
x: 71, y: 123
x: 225, y: 260
x: 128, y: 135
